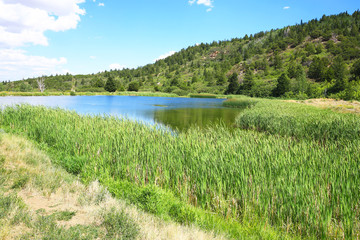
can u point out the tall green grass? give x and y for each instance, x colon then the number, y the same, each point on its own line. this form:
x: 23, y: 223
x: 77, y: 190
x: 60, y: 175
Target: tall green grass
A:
x: 148, y: 94
x: 25, y: 94
x: 300, y: 121
x: 202, y: 95
x: 240, y: 102
x: 297, y: 185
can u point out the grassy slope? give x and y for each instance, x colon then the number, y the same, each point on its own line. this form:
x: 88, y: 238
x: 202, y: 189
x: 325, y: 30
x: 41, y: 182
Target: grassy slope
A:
x: 38, y: 200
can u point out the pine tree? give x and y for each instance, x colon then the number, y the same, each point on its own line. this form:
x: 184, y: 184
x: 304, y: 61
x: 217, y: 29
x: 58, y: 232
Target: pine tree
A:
x: 301, y: 82
x: 110, y: 85
x: 283, y: 85
x: 339, y: 68
x: 277, y: 61
x: 248, y: 83
x: 233, y: 84
x: 355, y: 70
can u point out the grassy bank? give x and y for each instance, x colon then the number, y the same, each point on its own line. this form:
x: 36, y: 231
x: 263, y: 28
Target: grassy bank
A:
x: 149, y: 94
x: 295, y: 185
x: 301, y: 121
x: 240, y: 102
x: 124, y: 93
x: 41, y: 201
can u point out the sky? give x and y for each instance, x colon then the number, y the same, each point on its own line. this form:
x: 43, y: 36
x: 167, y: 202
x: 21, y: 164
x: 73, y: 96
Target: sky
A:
x: 43, y: 37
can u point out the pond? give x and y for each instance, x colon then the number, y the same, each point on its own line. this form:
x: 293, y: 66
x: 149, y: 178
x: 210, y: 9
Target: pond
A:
x: 176, y: 113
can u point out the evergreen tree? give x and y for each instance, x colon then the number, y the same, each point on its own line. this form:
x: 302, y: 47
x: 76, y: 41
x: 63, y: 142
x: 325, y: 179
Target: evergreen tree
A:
x: 133, y: 86
x: 291, y: 72
x: 339, y: 68
x: 248, y: 83
x: 318, y: 69
x: 110, y: 85
x: 301, y: 82
x: 99, y: 83
x: 233, y: 84
x: 355, y: 70
x: 282, y: 86
x: 220, y: 79
x: 277, y: 61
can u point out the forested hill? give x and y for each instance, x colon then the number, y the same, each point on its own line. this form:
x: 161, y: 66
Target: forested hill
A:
x: 313, y: 59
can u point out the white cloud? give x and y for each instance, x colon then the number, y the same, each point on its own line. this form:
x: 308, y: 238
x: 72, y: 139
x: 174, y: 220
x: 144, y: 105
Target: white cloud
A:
x: 207, y: 3
x: 92, y: 57
x: 15, y: 64
x: 24, y: 21
x: 286, y: 8
x: 101, y: 5
x: 116, y: 66
x: 165, y: 55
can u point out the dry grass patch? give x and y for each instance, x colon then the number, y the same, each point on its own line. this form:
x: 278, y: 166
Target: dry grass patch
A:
x: 336, y: 105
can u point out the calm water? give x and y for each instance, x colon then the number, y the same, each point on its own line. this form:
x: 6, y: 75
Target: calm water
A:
x: 178, y: 113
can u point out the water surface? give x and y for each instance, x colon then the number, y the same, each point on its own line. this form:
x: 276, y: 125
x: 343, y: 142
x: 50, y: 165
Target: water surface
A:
x: 177, y: 113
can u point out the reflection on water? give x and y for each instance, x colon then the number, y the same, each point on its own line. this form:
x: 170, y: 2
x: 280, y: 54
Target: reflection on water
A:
x: 183, y: 118
x: 180, y: 113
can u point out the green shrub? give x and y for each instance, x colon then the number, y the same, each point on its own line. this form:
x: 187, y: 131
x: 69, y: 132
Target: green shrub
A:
x: 119, y: 225
x: 20, y: 182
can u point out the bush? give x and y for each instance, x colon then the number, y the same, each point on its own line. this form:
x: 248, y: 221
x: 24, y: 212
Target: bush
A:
x: 119, y: 225
x: 133, y: 86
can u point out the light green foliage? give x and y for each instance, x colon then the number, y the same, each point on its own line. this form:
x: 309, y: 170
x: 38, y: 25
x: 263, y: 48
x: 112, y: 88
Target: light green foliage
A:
x: 303, y: 180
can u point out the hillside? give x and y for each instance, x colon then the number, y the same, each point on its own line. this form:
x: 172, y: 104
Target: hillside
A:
x: 319, y: 58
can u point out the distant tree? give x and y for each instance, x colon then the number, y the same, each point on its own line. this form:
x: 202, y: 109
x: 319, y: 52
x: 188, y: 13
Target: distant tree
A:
x: 233, y: 84
x: 133, y: 86
x: 282, y: 86
x: 291, y: 72
x: 25, y: 87
x: 110, y: 85
x: 310, y: 49
x: 194, y: 79
x: 339, y: 69
x: 277, y: 61
x: 318, y: 69
x: 99, y: 83
x: 355, y: 70
x: 301, y: 84
x: 248, y: 82
x: 41, y: 83
x: 175, y: 81
x: 220, y: 79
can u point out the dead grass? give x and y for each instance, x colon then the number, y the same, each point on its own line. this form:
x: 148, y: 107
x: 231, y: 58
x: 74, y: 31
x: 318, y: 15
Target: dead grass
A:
x: 333, y: 104
x: 45, y: 190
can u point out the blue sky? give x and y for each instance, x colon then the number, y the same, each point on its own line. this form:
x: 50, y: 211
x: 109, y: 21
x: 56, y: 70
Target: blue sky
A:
x: 46, y: 37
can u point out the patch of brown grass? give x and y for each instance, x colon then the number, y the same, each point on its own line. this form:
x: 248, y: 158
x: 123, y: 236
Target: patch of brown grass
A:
x: 333, y: 104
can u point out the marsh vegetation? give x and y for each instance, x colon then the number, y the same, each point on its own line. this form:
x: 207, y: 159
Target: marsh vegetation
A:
x: 287, y: 170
